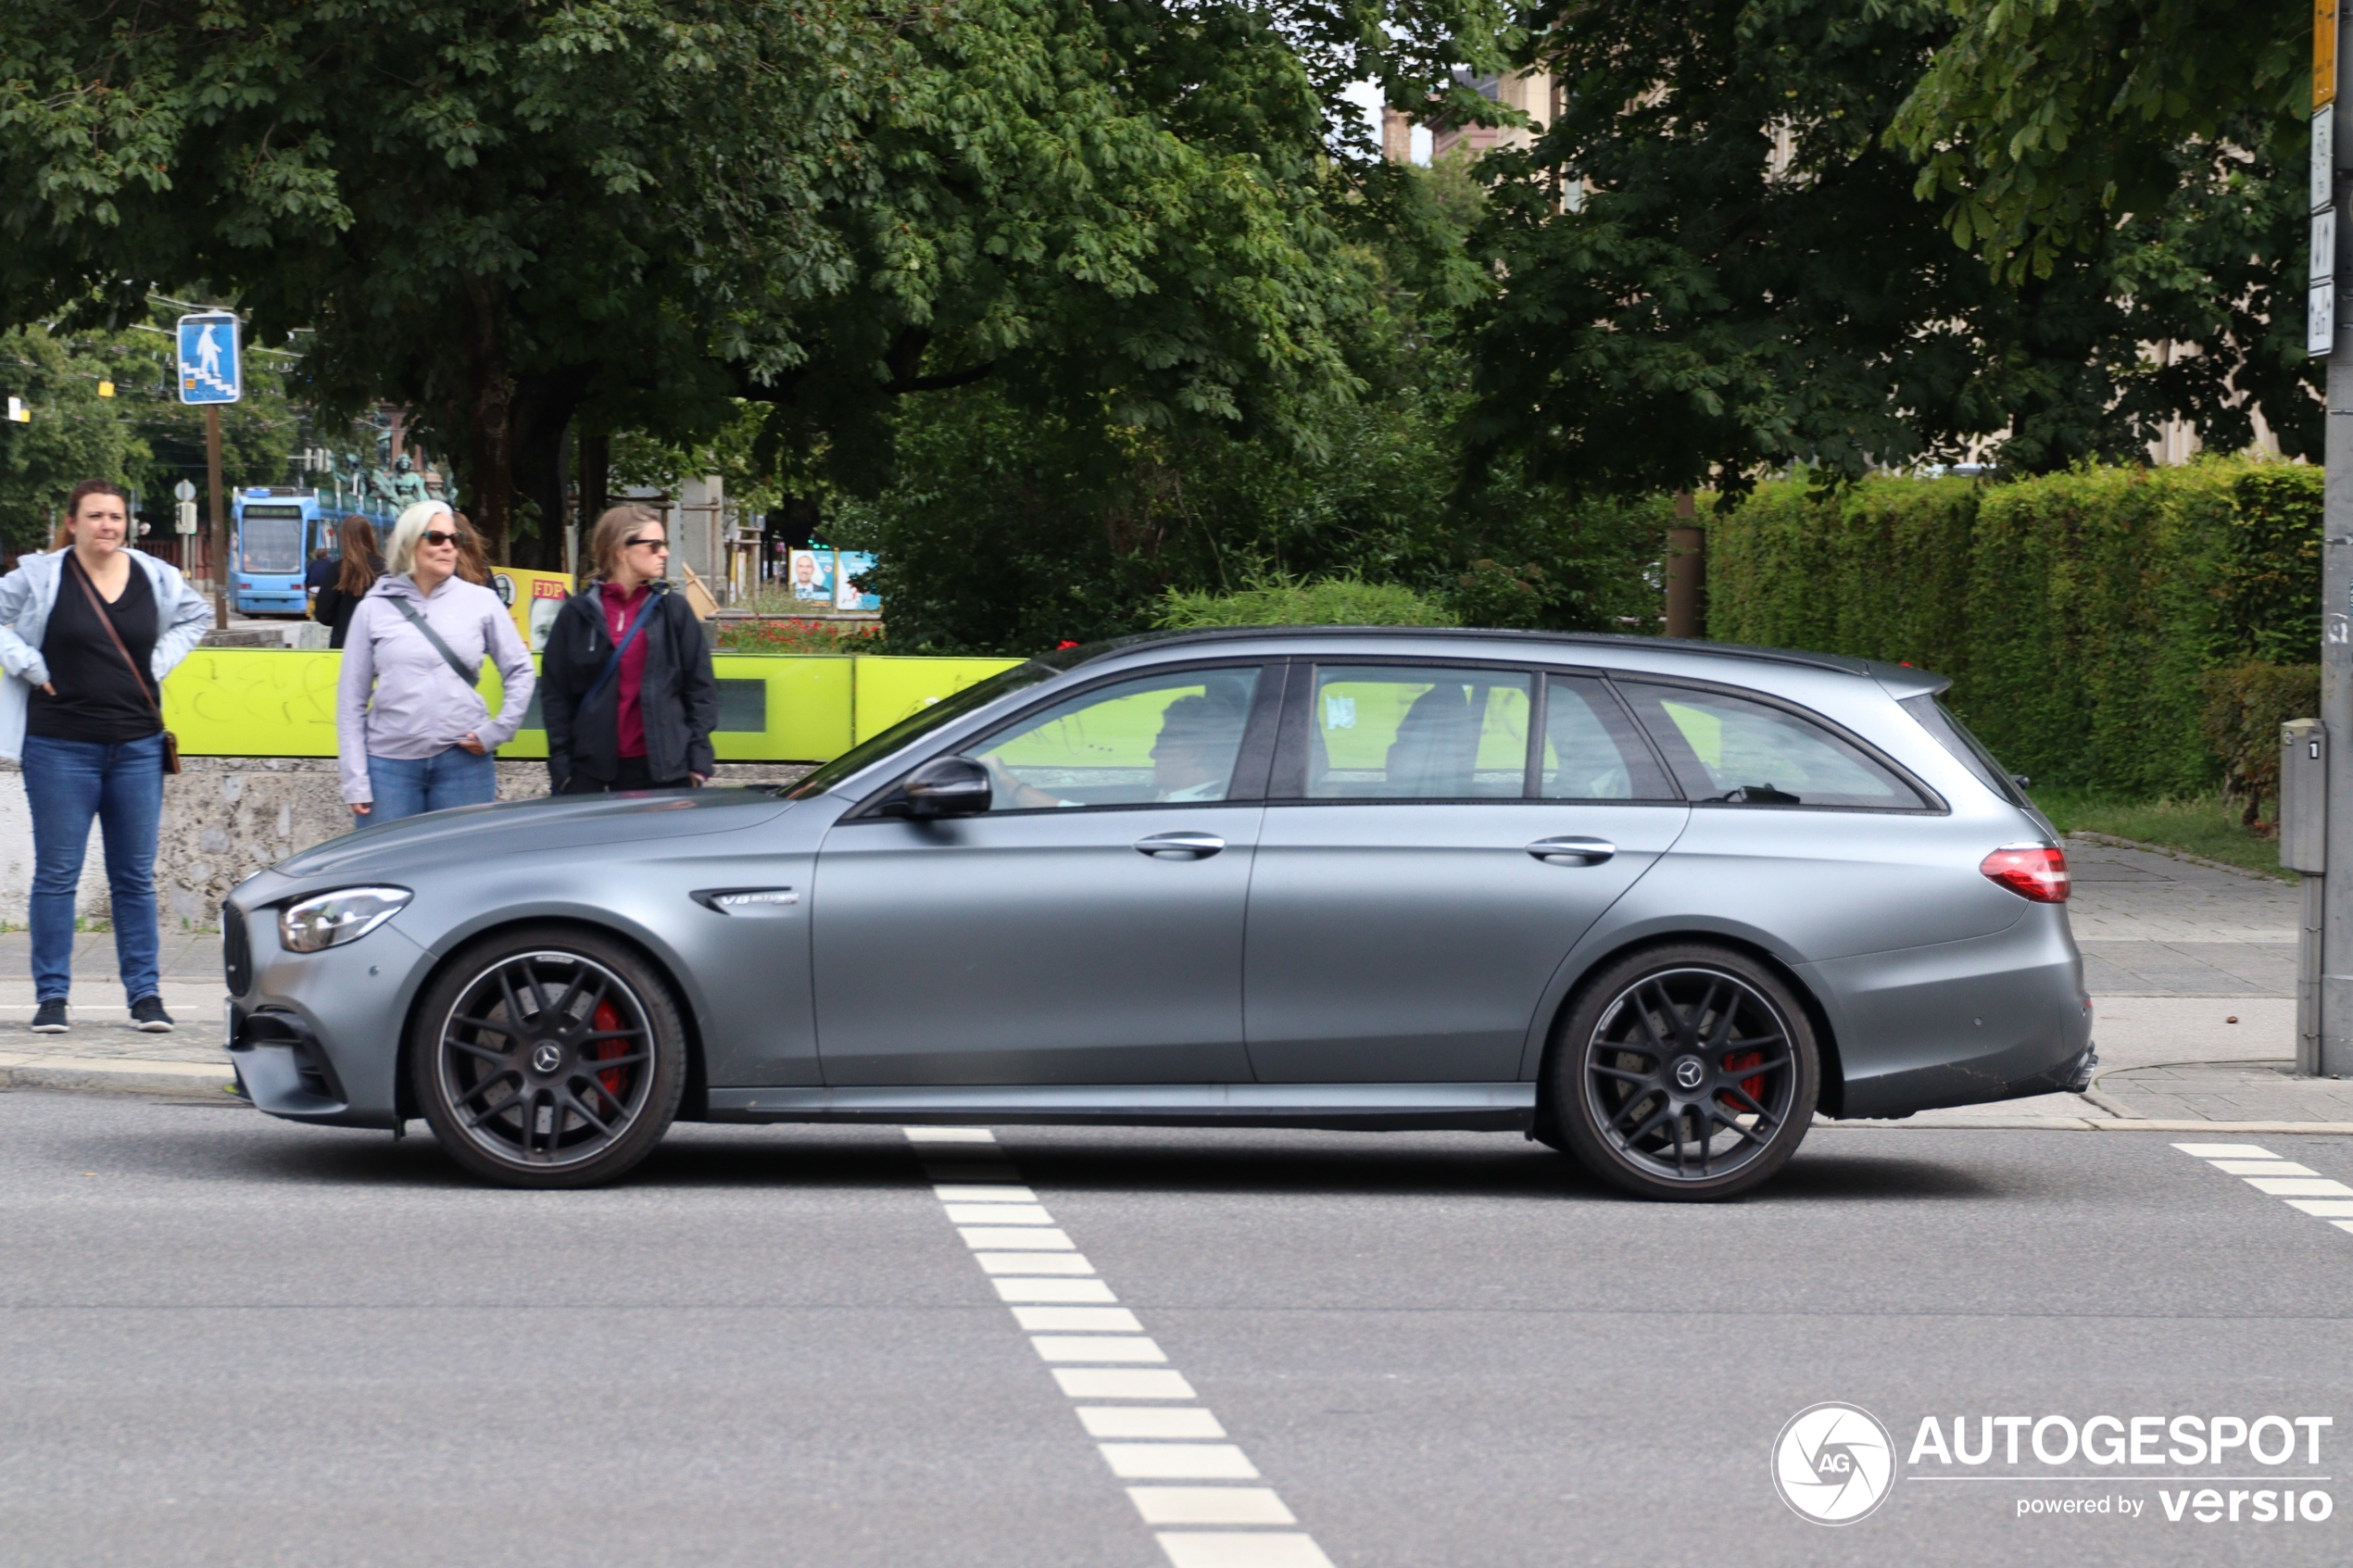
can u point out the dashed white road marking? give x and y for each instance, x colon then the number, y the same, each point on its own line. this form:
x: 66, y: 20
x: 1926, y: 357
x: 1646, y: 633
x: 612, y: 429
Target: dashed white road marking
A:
x: 2303, y: 1187
x: 1092, y: 1347
x: 1210, y: 1505
x: 1148, y: 1420
x: 1098, y: 1348
x: 1097, y: 1320
x: 1010, y: 1290
x: 1121, y: 1383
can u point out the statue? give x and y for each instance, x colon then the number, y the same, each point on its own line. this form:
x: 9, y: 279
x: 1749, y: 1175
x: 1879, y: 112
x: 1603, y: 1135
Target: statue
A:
x: 408, y: 485
x: 433, y: 486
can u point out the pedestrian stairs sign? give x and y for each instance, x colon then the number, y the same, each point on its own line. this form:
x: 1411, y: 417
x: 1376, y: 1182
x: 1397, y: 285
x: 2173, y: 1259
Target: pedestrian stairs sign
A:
x: 211, y: 368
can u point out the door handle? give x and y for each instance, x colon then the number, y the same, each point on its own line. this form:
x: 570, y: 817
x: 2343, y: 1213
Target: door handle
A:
x: 1180, y: 846
x: 1572, y: 851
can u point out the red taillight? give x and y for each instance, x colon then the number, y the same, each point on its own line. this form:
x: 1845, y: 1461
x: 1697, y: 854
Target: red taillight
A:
x: 2030, y: 870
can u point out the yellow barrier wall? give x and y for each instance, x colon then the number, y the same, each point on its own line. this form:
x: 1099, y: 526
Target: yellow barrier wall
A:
x: 267, y: 702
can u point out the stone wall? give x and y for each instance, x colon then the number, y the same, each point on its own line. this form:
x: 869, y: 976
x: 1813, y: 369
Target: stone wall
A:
x: 225, y: 818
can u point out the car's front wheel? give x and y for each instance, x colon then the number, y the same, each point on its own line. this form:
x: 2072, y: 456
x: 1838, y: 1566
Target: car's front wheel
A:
x: 1684, y: 1072
x: 548, y: 1058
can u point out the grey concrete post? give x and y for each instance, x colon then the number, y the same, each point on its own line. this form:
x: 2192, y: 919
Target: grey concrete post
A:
x: 2336, y: 635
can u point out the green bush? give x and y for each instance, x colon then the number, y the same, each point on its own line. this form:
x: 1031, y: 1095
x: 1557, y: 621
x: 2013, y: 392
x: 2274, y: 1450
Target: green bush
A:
x: 2246, y: 704
x: 2076, y: 612
x: 1287, y: 601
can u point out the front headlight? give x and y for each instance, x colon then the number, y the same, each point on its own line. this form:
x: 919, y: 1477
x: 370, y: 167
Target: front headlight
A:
x: 332, y: 919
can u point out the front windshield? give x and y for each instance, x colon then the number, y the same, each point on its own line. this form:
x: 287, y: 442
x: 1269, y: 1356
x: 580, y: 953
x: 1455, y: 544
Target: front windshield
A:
x: 920, y: 723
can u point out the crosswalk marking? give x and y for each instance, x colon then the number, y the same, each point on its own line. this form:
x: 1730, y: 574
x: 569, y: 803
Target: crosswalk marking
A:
x: 1093, y: 1347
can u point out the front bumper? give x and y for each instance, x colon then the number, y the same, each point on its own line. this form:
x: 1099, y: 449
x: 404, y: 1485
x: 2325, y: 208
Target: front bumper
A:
x: 315, y: 1036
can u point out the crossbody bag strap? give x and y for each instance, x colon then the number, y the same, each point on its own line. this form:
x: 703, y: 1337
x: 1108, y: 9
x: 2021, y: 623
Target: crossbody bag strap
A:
x: 469, y: 676
x: 613, y: 662
x: 114, y: 636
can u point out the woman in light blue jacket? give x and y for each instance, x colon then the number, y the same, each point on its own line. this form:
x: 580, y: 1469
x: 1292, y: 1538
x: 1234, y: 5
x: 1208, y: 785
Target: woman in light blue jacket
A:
x: 87, y: 633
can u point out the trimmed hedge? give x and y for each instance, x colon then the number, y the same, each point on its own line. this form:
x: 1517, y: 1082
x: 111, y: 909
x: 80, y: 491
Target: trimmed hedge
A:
x: 2076, y: 612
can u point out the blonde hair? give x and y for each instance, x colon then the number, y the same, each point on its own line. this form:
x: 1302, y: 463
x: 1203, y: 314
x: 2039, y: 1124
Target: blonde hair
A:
x: 616, y: 526
x: 400, y: 550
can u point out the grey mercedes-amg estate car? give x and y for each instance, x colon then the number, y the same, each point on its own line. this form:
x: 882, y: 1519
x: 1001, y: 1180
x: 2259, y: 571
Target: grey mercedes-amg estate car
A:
x: 1655, y: 903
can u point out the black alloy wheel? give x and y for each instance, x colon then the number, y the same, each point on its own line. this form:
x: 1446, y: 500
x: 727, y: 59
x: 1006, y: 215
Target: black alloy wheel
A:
x: 1685, y: 1073
x: 548, y: 1058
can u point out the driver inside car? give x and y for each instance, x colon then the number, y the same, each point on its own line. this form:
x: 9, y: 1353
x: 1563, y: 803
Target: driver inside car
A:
x: 1192, y: 759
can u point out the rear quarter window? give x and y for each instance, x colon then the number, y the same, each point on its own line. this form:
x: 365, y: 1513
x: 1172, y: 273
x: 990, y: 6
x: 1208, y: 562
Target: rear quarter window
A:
x: 1954, y: 737
x: 1730, y: 750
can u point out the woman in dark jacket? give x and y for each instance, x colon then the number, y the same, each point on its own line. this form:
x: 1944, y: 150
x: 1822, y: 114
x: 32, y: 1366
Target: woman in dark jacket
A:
x: 356, y: 541
x: 642, y: 721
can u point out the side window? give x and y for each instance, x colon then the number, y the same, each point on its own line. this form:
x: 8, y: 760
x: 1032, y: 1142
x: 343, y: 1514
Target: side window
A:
x: 1730, y: 750
x: 1385, y: 733
x: 1591, y: 751
x: 1161, y: 738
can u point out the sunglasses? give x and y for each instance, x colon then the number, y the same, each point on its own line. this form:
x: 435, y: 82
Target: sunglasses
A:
x: 661, y: 544
x: 435, y: 536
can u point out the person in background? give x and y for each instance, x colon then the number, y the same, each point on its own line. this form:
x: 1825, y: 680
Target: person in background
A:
x: 87, y: 633
x: 321, y: 571
x: 355, y: 574
x: 412, y: 732
x: 627, y: 686
x: 473, y: 561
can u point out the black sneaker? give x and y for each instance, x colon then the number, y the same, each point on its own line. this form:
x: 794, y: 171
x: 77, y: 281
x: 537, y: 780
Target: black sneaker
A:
x: 50, y: 1017
x: 148, y: 1015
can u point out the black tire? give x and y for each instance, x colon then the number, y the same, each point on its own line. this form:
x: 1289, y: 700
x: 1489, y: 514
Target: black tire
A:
x: 548, y: 1057
x: 1687, y: 1072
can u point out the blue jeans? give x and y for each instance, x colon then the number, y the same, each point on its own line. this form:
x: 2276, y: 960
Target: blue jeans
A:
x: 66, y: 783
x: 406, y: 786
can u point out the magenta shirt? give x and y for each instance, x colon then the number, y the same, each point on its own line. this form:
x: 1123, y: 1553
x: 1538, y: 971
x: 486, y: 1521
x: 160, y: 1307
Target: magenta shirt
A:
x: 618, y: 612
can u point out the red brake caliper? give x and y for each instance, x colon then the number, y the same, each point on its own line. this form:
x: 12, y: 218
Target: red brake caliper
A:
x: 608, y: 1017
x: 1753, y: 1087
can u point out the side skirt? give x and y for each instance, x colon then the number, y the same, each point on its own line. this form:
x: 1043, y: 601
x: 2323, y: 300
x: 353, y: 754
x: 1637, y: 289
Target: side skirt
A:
x: 1356, y: 1107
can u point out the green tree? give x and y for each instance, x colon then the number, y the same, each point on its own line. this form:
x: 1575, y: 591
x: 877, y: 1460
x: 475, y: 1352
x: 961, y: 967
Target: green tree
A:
x: 632, y: 212
x: 2042, y: 122
x: 72, y: 434
x: 1749, y: 278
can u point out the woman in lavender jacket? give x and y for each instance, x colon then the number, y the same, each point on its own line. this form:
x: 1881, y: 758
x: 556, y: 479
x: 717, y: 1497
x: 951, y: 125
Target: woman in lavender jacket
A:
x: 412, y: 732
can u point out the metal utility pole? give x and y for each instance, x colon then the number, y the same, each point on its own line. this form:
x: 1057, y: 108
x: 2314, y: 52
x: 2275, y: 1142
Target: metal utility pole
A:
x: 220, y: 517
x: 2329, y: 330
x: 1686, y: 569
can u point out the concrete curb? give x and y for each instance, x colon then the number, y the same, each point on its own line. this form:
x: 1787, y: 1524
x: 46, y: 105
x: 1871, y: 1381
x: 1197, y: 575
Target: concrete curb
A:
x: 111, y: 1075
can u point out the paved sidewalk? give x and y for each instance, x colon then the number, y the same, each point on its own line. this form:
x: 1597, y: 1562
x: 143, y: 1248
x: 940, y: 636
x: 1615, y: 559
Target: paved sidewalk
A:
x: 2192, y: 968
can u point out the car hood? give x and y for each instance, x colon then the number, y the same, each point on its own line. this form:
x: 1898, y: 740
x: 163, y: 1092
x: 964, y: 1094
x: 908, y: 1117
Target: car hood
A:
x: 590, y: 822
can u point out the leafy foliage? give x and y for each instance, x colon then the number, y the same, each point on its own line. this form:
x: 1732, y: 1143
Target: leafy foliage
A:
x: 1748, y: 279
x: 508, y: 217
x: 2246, y: 704
x: 72, y: 436
x: 2076, y: 612
x: 1291, y: 601
x: 2044, y: 121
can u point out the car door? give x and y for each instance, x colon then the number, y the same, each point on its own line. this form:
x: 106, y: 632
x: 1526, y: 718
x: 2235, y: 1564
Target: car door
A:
x: 1086, y: 928
x: 1437, y: 839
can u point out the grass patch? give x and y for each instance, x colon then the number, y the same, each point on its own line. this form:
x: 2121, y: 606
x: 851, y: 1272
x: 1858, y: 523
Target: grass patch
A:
x: 2207, y: 825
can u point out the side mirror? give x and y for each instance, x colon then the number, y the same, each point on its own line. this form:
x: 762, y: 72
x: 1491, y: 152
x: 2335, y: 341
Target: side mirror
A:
x: 945, y: 787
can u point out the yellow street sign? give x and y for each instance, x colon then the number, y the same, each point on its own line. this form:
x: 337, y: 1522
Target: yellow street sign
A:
x: 2323, y: 53
x: 105, y: 389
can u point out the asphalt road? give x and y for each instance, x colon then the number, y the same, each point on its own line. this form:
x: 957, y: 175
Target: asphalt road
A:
x: 230, y: 1341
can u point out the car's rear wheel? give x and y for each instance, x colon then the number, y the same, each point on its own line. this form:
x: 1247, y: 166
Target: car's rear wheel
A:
x: 1684, y: 1072
x: 548, y: 1058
